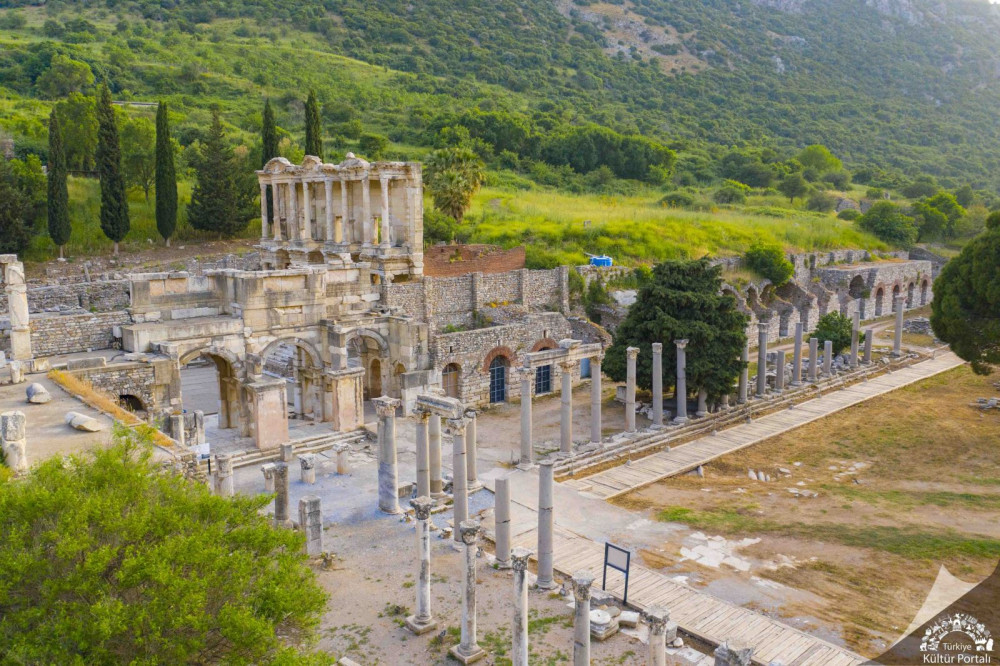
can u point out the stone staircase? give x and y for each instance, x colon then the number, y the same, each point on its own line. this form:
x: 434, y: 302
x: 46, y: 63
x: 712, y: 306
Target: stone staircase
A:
x: 311, y: 444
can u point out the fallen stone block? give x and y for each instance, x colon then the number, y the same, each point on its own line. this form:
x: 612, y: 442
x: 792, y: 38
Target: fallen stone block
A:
x: 37, y: 394
x: 83, y: 422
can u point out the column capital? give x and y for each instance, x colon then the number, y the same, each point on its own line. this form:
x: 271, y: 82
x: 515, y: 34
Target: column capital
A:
x: 385, y: 406
x: 422, y: 507
x: 456, y: 426
x: 422, y: 415
x: 525, y: 373
x: 656, y: 617
x: 519, y: 558
x: 582, y: 580
x: 657, y: 347
x: 898, y: 298
x: 469, y: 531
x: 763, y: 325
x: 597, y: 358
x: 632, y: 352
x: 681, y: 344
x: 470, y: 413
x: 567, y: 366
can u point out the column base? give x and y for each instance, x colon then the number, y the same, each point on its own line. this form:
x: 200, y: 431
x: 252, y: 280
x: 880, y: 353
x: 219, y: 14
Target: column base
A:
x: 657, y: 426
x: 794, y: 384
x: 503, y: 565
x: 527, y: 466
x: 551, y: 585
x: 474, y: 655
x: 680, y: 420
x: 418, y: 627
x: 389, y: 511
x: 474, y: 486
x: 700, y: 414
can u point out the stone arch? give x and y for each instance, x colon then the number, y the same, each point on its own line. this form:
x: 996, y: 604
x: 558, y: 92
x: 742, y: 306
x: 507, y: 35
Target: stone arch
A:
x: 378, y: 338
x: 364, y: 346
x: 502, y: 350
x: 315, y: 257
x: 229, y: 370
x: 132, y: 403
x: 923, y: 291
x: 282, y: 260
x: 303, y: 344
x: 858, y: 291
x: 303, y: 373
x: 451, y: 380
x: 879, y: 301
x: 910, y: 289
x: 543, y: 344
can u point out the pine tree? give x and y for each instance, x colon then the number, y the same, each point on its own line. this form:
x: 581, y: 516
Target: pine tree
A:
x: 269, y: 148
x: 114, y: 204
x: 314, y: 131
x: 166, y: 179
x: 215, y: 203
x: 58, y: 205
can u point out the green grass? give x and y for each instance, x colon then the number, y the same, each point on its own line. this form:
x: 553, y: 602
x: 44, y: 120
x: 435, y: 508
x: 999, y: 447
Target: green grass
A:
x: 907, y: 542
x: 905, y: 499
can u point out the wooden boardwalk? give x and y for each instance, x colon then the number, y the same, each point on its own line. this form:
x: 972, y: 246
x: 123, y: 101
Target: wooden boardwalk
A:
x: 623, y: 479
x: 696, y: 613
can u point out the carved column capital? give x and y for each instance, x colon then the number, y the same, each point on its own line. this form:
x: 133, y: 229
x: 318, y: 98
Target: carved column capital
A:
x: 656, y: 617
x: 385, y: 406
x: 632, y: 352
x: 455, y: 427
x: 681, y: 344
x: 422, y: 507
x: 582, y: 580
x: 526, y: 374
x: 469, y: 531
x: 519, y: 558
x: 657, y: 347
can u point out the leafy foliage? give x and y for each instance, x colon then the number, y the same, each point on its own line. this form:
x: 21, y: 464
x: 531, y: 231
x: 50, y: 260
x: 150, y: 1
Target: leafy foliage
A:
x: 114, y: 204
x: 836, y: 328
x: 15, y: 210
x: 793, y: 185
x: 769, y: 261
x: 166, y: 178
x: 314, y: 129
x: 967, y: 300
x: 106, y: 559
x: 58, y: 194
x: 217, y: 203
x: 887, y: 221
x: 452, y: 176
x: 138, y: 144
x: 682, y: 300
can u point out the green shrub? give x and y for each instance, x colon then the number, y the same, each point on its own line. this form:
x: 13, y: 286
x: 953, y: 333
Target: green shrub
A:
x: 821, y: 201
x: 849, y: 214
x: 729, y: 193
x: 836, y: 328
x: 677, y: 199
x: 769, y: 261
x: 888, y: 223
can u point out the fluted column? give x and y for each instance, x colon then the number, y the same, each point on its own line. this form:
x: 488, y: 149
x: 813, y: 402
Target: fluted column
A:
x: 744, y: 374
x: 897, y: 341
x: 423, y: 455
x: 388, y: 473
x: 422, y: 621
x: 328, y: 209
x: 657, y: 384
x: 263, y: 211
x: 680, y: 390
x: 468, y: 650
x: 582, y: 580
x: 566, y: 409
x: 595, y: 398
x: 797, y: 356
x: 519, y: 629
x: 631, y: 354
x: 459, y: 473
x: 761, y: 359
x: 546, y: 482
x: 384, y: 239
x: 526, y: 375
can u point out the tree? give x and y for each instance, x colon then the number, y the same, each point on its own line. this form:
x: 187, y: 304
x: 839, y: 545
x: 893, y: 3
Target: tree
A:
x: 64, y: 76
x: 114, y: 204
x: 107, y: 558
x: 965, y: 196
x: 967, y: 300
x: 15, y: 205
x: 138, y: 141
x: 269, y: 148
x: 886, y: 221
x: 947, y: 204
x: 683, y: 300
x: 836, y: 328
x: 78, y: 121
x: 819, y: 157
x: 770, y: 262
x: 452, y: 176
x: 373, y: 146
x: 166, y: 178
x: 793, y: 185
x: 922, y: 186
x: 58, y: 194
x: 314, y: 130
x: 215, y: 200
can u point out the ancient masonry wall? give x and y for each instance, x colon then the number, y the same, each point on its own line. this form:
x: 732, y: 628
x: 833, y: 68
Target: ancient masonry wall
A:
x: 101, y: 296
x: 68, y: 334
x: 135, y: 379
x: 454, y: 261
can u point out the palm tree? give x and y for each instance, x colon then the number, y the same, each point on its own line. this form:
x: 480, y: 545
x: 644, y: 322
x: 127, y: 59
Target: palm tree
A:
x: 453, y: 176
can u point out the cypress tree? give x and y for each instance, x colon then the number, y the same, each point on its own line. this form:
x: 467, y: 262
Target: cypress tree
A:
x: 166, y: 179
x: 215, y: 204
x: 58, y: 207
x: 269, y: 148
x: 114, y: 204
x: 314, y: 131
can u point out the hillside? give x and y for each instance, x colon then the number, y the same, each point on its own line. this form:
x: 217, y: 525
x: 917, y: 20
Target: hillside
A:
x: 905, y: 85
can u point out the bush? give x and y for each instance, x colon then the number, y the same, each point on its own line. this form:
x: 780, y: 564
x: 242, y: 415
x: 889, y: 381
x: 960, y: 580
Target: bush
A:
x: 677, y: 199
x: 849, y: 214
x: 836, y: 328
x: 837, y: 179
x: 373, y: 146
x: 821, y: 201
x: 731, y: 192
x: 438, y: 227
x: 769, y: 261
x: 888, y: 223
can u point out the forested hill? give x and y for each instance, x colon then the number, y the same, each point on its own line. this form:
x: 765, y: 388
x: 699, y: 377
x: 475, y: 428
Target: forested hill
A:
x: 907, y: 86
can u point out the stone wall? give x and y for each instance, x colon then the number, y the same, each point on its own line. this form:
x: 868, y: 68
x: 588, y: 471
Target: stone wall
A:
x: 127, y: 379
x: 53, y: 334
x: 457, y: 260
x: 102, y: 296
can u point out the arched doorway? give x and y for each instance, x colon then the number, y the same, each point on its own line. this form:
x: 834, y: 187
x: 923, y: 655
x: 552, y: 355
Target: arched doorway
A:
x: 299, y: 364
x: 450, y: 380
x: 910, y: 289
x: 857, y: 292
x: 498, y: 379
x: 923, y: 292
x: 879, y: 301
x: 210, y: 383
x: 373, y: 381
x: 367, y: 349
x: 131, y: 403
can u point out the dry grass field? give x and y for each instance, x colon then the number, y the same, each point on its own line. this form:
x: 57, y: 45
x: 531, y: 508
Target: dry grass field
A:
x: 905, y: 483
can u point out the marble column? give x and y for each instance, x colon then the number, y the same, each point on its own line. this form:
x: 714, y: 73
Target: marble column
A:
x: 278, y: 208
x: 434, y: 455
x: 344, y: 206
x: 311, y: 523
x: 343, y: 461
x: 869, y: 340
x: 680, y: 392
x: 468, y: 651
x: 384, y: 239
x: 471, y: 449
x: 368, y: 234
x: 630, y: 355
x: 779, y: 370
x: 761, y: 359
x: 459, y: 474
x: 422, y: 621
x: 293, y: 211
x: 306, y: 210
x: 744, y: 374
x: 546, y: 522
x: 595, y: 398
x: 827, y: 358
x: 797, y: 356
x: 897, y: 340
x: 267, y: 469
x: 566, y: 408
x: 281, y: 493
x: 224, y: 475
x: 813, y: 358
x: 501, y: 512
x: 519, y: 631
x: 388, y: 473
x: 657, y: 384
x: 423, y: 462
x: 855, y: 339
x: 656, y: 617
x: 328, y: 209
x: 702, y: 403
x: 263, y: 212
x: 527, y: 376
x: 307, y: 468
x: 582, y: 580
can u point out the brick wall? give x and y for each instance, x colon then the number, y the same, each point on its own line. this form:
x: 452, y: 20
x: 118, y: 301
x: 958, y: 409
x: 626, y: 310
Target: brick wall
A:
x: 456, y: 260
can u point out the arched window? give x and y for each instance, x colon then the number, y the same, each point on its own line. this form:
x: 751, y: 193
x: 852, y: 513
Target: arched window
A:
x: 449, y: 379
x: 498, y: 379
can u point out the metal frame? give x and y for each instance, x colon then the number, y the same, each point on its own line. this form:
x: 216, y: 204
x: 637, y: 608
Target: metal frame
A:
x: 628, y: 565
